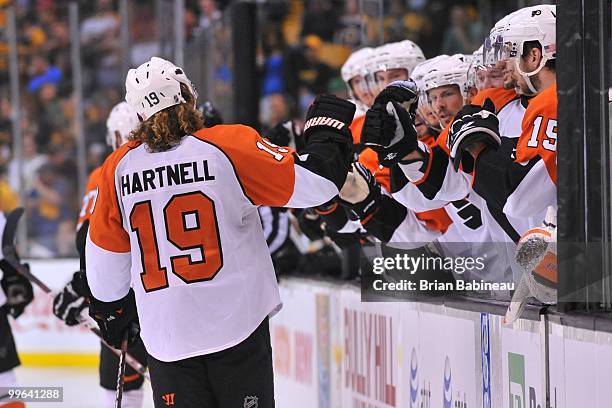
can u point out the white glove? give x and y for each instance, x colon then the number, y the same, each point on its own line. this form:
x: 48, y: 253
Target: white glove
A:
x: 536, y: 255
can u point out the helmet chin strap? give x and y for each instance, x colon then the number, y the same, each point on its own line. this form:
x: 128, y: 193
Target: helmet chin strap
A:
x: 527, y: 75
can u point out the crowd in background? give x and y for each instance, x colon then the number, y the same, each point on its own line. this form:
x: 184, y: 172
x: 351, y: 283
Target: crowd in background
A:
x: 302, y: 46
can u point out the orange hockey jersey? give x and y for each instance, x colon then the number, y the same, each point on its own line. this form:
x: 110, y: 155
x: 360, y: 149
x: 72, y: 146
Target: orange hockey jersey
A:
x: 89, y: 199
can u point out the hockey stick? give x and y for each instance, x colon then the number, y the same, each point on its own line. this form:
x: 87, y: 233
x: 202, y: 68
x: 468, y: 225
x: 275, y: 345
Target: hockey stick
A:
x: 121, y: 372
x: 10, y: 255
x: 135, y: 364
x: 10, y: 228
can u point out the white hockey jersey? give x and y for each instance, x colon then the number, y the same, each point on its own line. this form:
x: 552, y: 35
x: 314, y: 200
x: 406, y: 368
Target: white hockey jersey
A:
x: 182, y: 228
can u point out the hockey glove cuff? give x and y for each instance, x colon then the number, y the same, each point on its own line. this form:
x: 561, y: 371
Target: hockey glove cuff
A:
x: 473, y: 125
x: 116, y: 318
x: 367, y: 206
x: 328, y: 119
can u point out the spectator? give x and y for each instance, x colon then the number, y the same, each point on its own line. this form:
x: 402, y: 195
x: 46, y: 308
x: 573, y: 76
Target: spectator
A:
x: 47, y: 207
x: 209, y: 13
x: 351, y: 25
x: 101, y: 50
x: 30, y: 162
x: 274, y: 54
x: 274, y: 110
x: 461, y: 37
x: 311, y: 75
x: 8, y: 197
x: 41, y: 73
x: 320, y: 19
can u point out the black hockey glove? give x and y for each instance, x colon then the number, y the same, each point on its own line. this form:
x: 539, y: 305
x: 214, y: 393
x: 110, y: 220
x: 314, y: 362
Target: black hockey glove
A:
x: 390, y: 132
x: 472, y: 125
x: 212, y: 116
x: 286, y: 134
x: 310, y: 223
x: 364, y: 208
x: 328, y: 119
x: 398, y: 91
x: 72, y: 300
x: 346, y: 240
x: 116, y: 318
x: 18, y: 289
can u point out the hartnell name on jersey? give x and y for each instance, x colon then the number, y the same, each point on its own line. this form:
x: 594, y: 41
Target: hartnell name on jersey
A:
x: 165, y: 176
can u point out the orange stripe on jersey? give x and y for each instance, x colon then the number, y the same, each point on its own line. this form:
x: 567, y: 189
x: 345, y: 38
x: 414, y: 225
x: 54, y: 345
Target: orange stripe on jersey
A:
x: 130, y: 378
x: 539, y: 131
x: 500, y: 97
x: 429, y: 140
x: 437, y: 220
x: 265, y: 171
x: 89, y: 199
x: 369, y: 159
x: 443, y: 138
x: 106, y: 225
x: 356, y: 127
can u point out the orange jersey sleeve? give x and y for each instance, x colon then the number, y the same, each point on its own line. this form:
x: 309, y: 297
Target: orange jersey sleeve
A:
x: 276, y: 176
x: 369, y: 159
x: 265, y: 172
x: 106, y: 222
x: 539, y: 131
x: 90, y: 196
x: 356, y: 127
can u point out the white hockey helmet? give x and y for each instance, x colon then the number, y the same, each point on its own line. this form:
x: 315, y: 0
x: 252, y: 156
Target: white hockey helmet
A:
x: 417, y: 75
x: 122, y: 119
x: 154, y: 86
x: 476, y: 64
x: 493, y: 42
x: 451, y: 70
x: 537, y: 23
x: 355, y: 64
x: 398, y: 55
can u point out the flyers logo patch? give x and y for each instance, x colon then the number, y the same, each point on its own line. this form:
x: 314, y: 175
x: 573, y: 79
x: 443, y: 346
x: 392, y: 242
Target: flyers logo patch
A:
x: 168, y: 399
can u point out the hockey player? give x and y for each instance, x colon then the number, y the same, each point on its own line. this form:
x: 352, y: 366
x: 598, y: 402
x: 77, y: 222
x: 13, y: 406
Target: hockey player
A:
x: 390, y: 62
x: 73, y: 300
x: 474, y: 228
x: 15, y: 294
x: 176, y: 219
x: 426, y: 122
x: 481, y: 76
x: 354, y: 76
x: 529, y: 43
